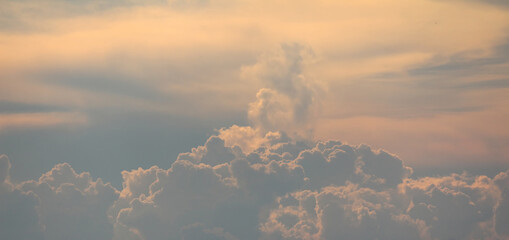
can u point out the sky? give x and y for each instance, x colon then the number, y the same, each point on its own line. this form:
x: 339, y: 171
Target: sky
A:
x: 312, y: 119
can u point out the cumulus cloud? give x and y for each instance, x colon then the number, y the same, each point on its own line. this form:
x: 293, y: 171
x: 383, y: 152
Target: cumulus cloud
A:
x: 72, y: 205
x: 283, y: 189
x: 347, y: 211
x: 60, y: 205
x: 288, y: 189
x: 455, y: 207
x: 212, y: 153
x: 185, y: 194
x: 286, y: 104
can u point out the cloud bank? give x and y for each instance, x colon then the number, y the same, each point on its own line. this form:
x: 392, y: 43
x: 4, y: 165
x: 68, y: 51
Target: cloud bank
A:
x: 284, y: 189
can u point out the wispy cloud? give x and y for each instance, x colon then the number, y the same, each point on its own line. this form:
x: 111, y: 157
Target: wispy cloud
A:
x: 35, y: 120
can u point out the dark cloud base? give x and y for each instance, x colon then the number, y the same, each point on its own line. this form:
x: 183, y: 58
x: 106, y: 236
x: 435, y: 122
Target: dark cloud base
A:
x: 284, y: 189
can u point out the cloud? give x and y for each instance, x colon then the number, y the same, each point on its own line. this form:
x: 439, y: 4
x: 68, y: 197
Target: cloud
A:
x: 18, y: 215
x: 38, y: 120
x: 346, y: 212
x: 183, y: 195
x: 501, y: 215
x: 212, y: 153
x: 455, y: 207
x: 72, y: 205
x: 287, y: 104
x: 60, y: 205
x: 335, y: 163
x: 283, y: 189
x: 295, y: 190
x: 245, y: 137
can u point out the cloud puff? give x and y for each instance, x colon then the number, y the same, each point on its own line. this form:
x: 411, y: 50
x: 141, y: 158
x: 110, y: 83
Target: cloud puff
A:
x: 212, y: 153
x: 72, y: 205
x: 282, y: 189
x: 60, y: 205
x: 200, y: 189
x: 347, y: 211
x: 185, y: 194
x: 455, y: 207
x: 287, y: 102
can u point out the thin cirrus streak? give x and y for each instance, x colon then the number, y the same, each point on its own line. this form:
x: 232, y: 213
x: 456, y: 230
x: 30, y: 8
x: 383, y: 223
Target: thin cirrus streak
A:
x: 27, y: 120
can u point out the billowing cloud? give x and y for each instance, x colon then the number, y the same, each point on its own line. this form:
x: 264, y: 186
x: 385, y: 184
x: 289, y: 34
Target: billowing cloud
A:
x: 455, y: 207
x: 283, y: 189
x: 346, y: 212
x: 287, y: 102
x: 72, y: 205
x: 60, y: 205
